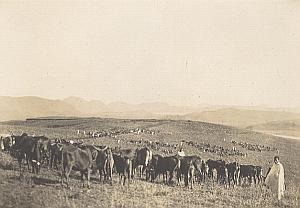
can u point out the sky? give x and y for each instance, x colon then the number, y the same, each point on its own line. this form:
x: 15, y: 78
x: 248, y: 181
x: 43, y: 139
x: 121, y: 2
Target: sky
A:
x: 180, y: 52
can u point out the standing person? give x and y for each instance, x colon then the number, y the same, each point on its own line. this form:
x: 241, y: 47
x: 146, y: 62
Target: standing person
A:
x: 275, y: 179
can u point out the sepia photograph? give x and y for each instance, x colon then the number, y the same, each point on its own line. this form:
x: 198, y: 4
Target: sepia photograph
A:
x: 149, y: 103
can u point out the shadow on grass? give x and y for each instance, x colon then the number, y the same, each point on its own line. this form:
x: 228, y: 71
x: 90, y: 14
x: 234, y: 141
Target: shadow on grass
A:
x: 43, y: 181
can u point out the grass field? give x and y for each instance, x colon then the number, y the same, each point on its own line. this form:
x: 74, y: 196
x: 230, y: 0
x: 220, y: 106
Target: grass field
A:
x: 27, y: 190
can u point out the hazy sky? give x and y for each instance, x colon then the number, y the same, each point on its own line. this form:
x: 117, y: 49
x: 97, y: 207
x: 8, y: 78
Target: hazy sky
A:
x: 180, y: 52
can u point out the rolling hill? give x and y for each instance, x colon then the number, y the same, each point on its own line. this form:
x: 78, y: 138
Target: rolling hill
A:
x: 20, y: 108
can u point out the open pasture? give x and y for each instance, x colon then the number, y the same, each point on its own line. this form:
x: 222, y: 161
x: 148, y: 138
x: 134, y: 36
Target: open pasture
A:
x: 209, y: 141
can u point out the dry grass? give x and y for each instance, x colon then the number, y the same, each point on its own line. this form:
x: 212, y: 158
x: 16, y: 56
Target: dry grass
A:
x: 27, y: 190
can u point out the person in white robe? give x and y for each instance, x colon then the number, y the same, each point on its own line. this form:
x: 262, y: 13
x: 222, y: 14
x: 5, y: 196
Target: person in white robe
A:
x: 181, y: 153
x: 275, y: 179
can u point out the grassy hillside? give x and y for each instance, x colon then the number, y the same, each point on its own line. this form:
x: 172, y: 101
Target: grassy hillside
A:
x: 27, y: 190
x: 286, y: 127
x: 239, y: 117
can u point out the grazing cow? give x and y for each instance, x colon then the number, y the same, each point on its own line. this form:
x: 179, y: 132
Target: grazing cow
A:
x: 233, y: 169
x: 142, y: 159
x: 165, y: 165
x: 76, y: 159
x: 247, y: 172
x: 105, y: 163
x: 187, y: 170
x: 219, y: 166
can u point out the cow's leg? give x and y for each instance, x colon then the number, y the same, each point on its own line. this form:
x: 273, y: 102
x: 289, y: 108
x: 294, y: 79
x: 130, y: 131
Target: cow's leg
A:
x: 186, y: 182
x: 141, y: 170
x: 27, y: 160
x: 67, y: 175
x: 129, y: 172
x: 178, y: 177
x: 171, y: 177
x: 254, y: 178
x: 82, y: 178
x: 192, y: 180
x: 124, y: 175
x: 87, y: 176
x: 63, y: 175
x: 100, y: 174
x: 20, y: 162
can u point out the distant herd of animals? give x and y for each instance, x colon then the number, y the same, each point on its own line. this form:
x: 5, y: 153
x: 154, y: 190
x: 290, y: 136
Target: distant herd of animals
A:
x: 37, y: 151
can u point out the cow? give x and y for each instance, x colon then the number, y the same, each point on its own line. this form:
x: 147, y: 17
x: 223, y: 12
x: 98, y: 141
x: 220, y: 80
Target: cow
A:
x: 55, y: 154
x: 165, y: 165
x: 142, y: 158
x: 74, y: 158
x: 233, y: 169
x: 33, y: 149
x: 123, y: 166
x: 219, y: 166
x: 105, y: 163
x: 35, y: 157
x: 187, y: 170
x: 247, y: 172
x: 123, y: 160
x: 150, y: 169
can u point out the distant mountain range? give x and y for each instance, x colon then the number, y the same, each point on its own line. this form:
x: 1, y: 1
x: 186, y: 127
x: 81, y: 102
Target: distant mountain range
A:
x: 20, y: 108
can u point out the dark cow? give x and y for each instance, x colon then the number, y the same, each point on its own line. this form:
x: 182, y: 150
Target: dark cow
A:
x: 219, y: 166
x: 35, y: 156
x: 55, y: 154
x: 25, y: 148
x: 74, y: 158
x: 165, y: 165
x: 150, y: 169
x: 123, y: 163
x: 247, y: 172
x: 142, y: 159
x: 33, y: 149
x: 187, y: 167
x: 105, y: 163
x: 233, y: 170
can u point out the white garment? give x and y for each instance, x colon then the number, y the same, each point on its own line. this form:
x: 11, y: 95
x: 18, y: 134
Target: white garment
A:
x: 181, y: 154
x: 275, y: 180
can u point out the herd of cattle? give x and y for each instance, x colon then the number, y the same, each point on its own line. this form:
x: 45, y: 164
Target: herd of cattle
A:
x: 112, y: 132
x: 37, y: 151
x: 254, y: 147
